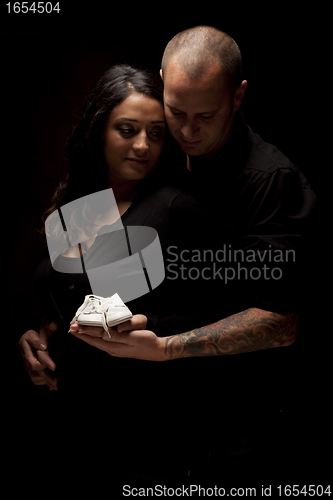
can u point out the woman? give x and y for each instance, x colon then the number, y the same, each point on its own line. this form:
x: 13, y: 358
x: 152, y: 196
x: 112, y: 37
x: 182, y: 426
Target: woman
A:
x: 119, y: 144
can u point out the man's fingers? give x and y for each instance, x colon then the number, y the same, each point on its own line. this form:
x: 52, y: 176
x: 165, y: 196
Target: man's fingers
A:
x: 126, y: 326
x: 93, y: 331
x: 138, y: 322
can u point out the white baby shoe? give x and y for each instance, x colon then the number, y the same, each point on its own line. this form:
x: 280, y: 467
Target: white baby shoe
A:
x: 104, y: 312
x: 115, y: 310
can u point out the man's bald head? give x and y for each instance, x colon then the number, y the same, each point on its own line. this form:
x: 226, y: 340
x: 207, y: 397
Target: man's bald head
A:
x: 197, y: 49
x: 203, y: 88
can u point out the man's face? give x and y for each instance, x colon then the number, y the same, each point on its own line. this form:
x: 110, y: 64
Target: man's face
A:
x: 200, y: 112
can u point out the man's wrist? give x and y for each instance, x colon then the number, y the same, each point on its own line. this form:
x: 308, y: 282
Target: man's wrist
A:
x: 161, y: 351
x: 173, y: 347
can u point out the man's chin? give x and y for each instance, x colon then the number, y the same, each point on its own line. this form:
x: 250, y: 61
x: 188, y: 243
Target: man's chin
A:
x: 195, y: 149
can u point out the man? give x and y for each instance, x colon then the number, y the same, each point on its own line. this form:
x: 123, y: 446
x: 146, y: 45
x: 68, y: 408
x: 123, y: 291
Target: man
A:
x: 204, y: 89
x: 260, y: 205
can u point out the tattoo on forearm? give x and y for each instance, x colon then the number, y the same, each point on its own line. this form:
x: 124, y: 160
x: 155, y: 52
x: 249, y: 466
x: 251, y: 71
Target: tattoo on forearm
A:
x: 247, y: 331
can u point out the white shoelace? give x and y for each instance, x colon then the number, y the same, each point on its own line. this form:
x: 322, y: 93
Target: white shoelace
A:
x: 93, y: 304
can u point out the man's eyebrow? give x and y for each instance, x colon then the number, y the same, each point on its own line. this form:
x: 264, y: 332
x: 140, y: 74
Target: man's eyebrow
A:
x: 172, y: 107
x: 136, y: 121
x: 202, y: 113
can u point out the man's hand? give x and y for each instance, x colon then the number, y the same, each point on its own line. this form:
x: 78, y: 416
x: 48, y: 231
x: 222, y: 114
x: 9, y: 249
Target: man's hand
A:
x: 137, y: 322
x: 247, y: 331
x: 36, y: 359
x: 126, y: 341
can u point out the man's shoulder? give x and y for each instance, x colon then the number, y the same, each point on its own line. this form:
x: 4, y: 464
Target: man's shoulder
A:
x: 161, y: 201
x: 264, y: 161
x: 266, y: 157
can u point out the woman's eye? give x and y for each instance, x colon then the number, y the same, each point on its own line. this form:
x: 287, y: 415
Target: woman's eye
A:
x: 157, y: 132
x: 126, y: 130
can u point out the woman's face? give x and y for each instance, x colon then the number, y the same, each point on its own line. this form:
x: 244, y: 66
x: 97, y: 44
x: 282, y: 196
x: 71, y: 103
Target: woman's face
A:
x: 133, y: 138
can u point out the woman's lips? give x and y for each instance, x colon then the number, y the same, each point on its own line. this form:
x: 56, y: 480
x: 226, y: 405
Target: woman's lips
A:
x: 137, y: 161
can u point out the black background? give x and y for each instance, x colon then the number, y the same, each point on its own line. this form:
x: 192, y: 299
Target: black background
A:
x: 48, y: 64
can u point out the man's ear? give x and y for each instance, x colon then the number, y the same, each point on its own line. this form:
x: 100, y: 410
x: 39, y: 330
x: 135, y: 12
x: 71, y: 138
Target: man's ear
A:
x: 161, y: 74
x: 239, y: 94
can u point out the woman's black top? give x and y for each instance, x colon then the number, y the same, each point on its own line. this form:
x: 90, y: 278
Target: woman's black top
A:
x: 103, y: 390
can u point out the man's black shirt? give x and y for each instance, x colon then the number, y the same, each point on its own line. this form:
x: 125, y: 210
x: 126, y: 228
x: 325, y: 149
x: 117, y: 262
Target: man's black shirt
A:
x: 261, y: 208
x: 262, y: 216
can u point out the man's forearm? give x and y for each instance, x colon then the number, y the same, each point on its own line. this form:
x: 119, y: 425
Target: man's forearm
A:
x: 247, y: 331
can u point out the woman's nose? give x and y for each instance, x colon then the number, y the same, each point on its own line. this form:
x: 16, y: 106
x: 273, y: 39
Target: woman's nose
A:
x: 141, y: 143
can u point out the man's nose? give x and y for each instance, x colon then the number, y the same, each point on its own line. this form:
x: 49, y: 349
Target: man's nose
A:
x: 189, y: 130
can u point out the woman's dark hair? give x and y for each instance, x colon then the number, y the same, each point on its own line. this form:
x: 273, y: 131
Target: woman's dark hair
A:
x: 86, y: 171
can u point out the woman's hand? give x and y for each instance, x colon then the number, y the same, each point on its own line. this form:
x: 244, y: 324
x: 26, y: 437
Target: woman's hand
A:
x: 36, y: 359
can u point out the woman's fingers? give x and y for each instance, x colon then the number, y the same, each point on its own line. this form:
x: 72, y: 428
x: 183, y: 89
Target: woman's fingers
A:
x: 36, y: 359
x: 45, y: 360
x: 31, y: 339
